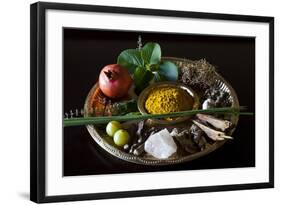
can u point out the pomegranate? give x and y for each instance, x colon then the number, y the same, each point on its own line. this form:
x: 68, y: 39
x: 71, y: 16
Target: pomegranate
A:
x: 114, y: 81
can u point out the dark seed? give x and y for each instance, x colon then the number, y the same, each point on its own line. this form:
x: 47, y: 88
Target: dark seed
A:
x: 139, y: 150
x: 126, y: 147
x: 133, y: 147
x: 140, y: 140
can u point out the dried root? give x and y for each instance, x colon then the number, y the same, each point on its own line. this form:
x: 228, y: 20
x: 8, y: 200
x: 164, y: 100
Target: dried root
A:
x: 217, y: 123
x: 213, y: 134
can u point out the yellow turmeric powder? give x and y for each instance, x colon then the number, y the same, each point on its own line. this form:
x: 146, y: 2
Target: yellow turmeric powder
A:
x: 168, y: 99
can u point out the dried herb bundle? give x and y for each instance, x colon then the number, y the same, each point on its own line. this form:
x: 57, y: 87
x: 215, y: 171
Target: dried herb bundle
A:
x: 198, y: 73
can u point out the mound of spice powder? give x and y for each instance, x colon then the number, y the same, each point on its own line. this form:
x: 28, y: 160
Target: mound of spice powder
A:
x: 163, y: 100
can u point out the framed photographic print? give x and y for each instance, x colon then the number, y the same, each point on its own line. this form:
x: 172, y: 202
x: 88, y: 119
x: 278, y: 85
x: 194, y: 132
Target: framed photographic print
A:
x: 129, y: 102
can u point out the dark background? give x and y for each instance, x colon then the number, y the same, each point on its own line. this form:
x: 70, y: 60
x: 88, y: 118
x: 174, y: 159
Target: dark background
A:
x: 86, y: 52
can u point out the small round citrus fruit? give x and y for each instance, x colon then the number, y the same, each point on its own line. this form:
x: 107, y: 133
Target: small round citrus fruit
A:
x: 112, y: 127
x: 121, y: 137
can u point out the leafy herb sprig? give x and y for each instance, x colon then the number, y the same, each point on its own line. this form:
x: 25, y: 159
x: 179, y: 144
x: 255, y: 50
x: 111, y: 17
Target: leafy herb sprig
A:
x: 145, y: 65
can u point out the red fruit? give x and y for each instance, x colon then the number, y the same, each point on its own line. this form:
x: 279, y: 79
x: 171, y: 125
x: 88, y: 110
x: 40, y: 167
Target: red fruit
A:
x: 114, y: 81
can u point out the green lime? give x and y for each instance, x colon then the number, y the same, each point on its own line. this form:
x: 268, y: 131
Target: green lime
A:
x: 121, y: 137
x: 112, y: 127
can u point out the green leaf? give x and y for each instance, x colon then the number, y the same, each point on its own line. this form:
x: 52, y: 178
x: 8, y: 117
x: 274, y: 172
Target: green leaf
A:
x: 158, y: 77
x: 151, y: 53
x: 169, y: 70
x: 142, y: 77
x: 153, y: 67
x: 130, y: 59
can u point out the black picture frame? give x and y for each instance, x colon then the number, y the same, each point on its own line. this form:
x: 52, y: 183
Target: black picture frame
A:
x: 38, y: 101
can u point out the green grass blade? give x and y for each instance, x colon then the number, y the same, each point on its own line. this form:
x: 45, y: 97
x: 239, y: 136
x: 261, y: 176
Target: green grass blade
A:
x: 106, y: 119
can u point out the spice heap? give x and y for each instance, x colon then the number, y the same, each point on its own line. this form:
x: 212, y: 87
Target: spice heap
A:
x: 197, y: 73
x: 168, y: 99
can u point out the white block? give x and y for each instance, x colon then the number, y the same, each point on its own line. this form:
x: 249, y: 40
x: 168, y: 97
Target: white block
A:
x: 161, y: 145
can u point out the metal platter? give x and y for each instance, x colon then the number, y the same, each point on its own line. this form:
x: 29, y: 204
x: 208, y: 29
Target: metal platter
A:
x: 99, y: 135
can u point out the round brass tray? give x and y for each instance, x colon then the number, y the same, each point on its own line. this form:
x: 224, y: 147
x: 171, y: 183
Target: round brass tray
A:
x: 98, y: 135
